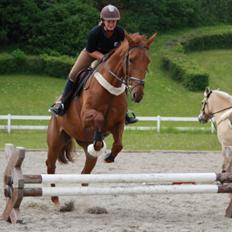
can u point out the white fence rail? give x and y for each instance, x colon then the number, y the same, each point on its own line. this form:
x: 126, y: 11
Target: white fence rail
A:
x: 158, y: 119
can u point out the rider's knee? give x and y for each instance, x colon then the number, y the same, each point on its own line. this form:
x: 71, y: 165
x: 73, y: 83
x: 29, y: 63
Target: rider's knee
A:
x: 72, y: 76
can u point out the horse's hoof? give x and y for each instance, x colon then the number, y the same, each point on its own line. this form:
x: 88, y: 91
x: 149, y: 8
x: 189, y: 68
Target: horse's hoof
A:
x: 109, y: 158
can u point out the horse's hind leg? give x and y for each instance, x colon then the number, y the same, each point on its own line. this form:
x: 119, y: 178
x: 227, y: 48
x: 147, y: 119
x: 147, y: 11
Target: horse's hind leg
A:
x: 227, y: 167
x: 56, y: 142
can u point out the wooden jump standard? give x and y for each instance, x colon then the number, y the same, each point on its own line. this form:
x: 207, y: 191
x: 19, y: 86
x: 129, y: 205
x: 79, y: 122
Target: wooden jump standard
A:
x: 15, y: 181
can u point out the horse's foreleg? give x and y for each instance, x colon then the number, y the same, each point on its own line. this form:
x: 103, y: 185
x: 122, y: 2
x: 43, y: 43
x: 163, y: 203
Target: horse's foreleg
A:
x: 90, y: 163
x: 227, y: 167
x: 227, y: 164
x: 96, y: 120
x: 117, y: 144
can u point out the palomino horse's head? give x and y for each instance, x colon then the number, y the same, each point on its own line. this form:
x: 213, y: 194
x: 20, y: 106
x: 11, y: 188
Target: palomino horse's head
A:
x: 206, y: 111
x: 214, y: 102
x: 136, y: 63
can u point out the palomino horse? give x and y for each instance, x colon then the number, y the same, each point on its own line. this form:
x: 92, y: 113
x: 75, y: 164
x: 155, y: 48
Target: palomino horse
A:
x: 218, y: 105
x: 100, y: 110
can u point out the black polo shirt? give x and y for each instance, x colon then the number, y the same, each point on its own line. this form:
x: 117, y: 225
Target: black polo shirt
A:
x: 97, y: 40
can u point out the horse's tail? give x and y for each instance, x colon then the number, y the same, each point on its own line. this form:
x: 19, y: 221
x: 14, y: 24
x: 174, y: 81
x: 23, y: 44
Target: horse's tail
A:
x: 66, y: 155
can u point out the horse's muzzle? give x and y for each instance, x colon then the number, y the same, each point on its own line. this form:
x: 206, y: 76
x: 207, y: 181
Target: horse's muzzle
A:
x: 137, y: 97
x: 202, y: 118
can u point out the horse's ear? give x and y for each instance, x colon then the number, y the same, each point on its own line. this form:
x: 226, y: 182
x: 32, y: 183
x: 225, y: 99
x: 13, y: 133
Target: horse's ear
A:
x: 207, y: 89
x: 151, y: 40
x: 129, y: 39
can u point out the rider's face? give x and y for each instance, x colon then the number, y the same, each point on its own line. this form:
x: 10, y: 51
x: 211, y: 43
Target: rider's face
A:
x: 110, y: 24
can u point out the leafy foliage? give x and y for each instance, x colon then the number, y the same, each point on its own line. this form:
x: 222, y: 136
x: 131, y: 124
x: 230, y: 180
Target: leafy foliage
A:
x: 45, y: 26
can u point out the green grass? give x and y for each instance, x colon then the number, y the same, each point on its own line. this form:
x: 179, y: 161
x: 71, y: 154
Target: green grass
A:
x: 132, y: 140
x: 28, y: 94
x: 32, y: 95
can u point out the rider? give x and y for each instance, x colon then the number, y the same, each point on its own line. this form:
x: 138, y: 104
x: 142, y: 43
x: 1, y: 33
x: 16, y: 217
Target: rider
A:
x: 101, y: 40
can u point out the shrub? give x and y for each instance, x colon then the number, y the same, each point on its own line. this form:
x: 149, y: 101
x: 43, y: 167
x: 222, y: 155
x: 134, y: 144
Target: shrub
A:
x: 186, y: 72
x: 42, y: 64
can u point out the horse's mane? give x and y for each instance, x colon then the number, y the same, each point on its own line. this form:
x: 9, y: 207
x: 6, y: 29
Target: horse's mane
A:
x: 223, y: 95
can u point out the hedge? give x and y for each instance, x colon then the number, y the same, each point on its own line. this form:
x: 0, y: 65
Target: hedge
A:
x: 18, y: 62
x: 181, y: 68
x: 186, y: 72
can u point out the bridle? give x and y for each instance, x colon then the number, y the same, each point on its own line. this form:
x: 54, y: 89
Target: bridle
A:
x: 205, y: 104
x: 126, y: 78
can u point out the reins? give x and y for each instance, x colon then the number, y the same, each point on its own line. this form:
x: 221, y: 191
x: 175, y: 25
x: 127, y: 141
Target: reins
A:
x: 126, y: 79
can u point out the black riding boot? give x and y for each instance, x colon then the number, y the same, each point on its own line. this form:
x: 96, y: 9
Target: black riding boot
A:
x: 60, y: 106
x: 130, y: 119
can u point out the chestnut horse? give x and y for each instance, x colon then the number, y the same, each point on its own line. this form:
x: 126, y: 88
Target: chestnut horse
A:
x: 218, y: 105
x: 101, y: 107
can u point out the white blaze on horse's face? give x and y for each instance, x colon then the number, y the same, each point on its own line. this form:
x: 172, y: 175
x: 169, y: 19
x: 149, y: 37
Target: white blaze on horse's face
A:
x: 205, y: 114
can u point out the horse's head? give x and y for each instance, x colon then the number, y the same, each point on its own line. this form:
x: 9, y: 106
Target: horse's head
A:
x: 136, y: 63
x: 214, y: 102
x: 206, y: 111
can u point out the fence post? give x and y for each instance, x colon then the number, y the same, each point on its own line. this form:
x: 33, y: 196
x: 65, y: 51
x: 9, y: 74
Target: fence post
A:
x: 158, y: 123
x: 9, y: 123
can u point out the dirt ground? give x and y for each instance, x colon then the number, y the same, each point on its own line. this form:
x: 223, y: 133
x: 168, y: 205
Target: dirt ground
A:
x: 145, y: 213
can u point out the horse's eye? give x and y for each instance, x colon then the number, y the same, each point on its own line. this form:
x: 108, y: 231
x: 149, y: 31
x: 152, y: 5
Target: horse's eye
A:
x: 130, y: 61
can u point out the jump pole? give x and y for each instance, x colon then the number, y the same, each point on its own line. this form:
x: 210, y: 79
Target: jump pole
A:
x: 15, y: 181
x: 129, y: 178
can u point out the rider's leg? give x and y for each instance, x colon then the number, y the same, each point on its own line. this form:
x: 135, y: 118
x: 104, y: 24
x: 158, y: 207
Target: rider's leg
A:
x: 83, y: 61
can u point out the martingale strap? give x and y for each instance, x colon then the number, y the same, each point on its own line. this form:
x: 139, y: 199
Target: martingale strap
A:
x: 106, y: 85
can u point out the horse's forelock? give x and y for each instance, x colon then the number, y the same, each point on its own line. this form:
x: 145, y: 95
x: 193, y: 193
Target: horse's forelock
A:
x: 138, y: 39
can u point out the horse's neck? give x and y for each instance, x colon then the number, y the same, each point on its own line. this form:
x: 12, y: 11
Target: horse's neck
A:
x: 115, y: 62
x: 220, y: 103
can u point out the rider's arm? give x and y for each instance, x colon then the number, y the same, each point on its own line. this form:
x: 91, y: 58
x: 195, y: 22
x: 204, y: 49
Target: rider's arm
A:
x: 96, y: 55
x: 91, y: 47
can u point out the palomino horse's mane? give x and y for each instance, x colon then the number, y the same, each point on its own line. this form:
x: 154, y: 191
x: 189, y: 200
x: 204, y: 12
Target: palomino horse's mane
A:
x: 223, y: 95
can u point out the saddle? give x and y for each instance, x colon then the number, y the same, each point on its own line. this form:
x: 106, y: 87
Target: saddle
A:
x: 79, y: 85
x: 82, y: 78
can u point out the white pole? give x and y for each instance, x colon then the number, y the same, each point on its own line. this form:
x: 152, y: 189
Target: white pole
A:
x: 164, y: 189
x: 126, y: 178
